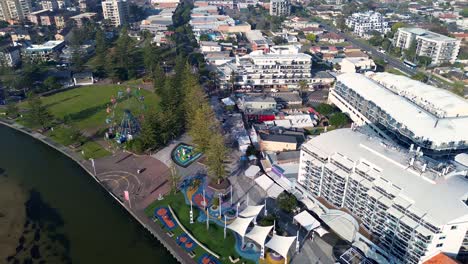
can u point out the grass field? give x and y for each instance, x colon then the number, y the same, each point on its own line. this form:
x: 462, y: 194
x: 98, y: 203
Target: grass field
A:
x: 85, y: 107
x: 212, y: 238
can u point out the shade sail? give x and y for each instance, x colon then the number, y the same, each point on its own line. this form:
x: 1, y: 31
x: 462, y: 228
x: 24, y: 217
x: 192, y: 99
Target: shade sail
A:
x: 264, y: 182
x: 252, y: 171
x: 240, y: 225
x: 251, y: 211
x: 343, y: 224
x: 306, y: 220
x: 259, y: 234
x: 281, y: 244
x: 320, y: 231
x: 274, y: 191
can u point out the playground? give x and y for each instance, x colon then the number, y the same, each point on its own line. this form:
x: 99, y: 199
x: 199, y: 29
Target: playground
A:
x: 210, y: 213
x: 184, y: 155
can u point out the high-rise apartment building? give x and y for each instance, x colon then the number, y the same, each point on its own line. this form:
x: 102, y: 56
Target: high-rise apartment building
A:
x: 438, y: 47
x: 363, y: 24
x: 115, y: 11
x: 15, y: 10
x: 404, y: 206
x: 280, y: 7
x: 404, y: 110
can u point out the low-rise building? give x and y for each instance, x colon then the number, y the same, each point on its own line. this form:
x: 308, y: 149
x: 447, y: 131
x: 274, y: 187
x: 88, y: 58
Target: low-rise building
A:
x: 277, y: 143
x: 331, y: 38
x: 363, y: 24
x: 359, y: 65
x: 438, y: 47
x: 79, y: 19
x: 257, y: 103
x: 48, y: 51
x: 209, y: 46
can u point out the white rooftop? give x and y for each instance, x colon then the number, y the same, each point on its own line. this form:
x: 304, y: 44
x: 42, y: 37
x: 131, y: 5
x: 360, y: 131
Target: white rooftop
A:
x: 428, y: 34
x: 441, y: 200
x: 416, y: 119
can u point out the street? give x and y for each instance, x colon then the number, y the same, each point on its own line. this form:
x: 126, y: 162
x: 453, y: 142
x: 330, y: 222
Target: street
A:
x: 374, y: 53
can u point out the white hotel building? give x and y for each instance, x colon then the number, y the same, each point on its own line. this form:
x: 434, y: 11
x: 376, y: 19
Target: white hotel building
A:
x: 396, y: 203
x: 406, y: 111
x: 283, y: 67
x: 438, y: 47
x: 364, y: 23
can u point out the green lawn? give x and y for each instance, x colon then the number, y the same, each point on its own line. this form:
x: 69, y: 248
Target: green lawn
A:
x: 395, y: 71
x: 212, y: 238
x: 85, y: 107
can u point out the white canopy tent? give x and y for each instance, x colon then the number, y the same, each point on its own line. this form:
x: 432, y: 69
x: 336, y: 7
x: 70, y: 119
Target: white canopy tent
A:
x: 370, y: 253
x: 252, y: 171
x: 320, y: 231
x: 240, y: 225
x: 251, y: 211
x: 259, y: 235
x: 307, y: 221
x: 281, y: 245
x: 343, y: 224
x: 264, y: 182
x: 274, y: 191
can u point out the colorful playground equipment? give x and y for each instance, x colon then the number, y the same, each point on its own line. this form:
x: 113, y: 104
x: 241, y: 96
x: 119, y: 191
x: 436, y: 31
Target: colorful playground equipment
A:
x: 184, y: 155
x: 165, y: 217
x: 186, y: 242
x: 208, y: 259
x: 129, y: 126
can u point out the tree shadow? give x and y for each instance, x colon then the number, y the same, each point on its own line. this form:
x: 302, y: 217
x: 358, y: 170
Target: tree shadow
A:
x: 64, y: 100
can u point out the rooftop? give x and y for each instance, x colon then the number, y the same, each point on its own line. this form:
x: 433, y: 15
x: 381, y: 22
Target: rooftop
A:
x: 427, y: 34
x: 278, y: 138
x: 441, y: 199
x: 418, y: 120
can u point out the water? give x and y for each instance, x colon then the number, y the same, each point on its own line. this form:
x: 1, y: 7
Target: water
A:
x: 70, y: 218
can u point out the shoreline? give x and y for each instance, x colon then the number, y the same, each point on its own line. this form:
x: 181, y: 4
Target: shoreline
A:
x: 155, y: 230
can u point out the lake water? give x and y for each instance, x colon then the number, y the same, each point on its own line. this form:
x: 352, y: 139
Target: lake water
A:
x: 70, y: 218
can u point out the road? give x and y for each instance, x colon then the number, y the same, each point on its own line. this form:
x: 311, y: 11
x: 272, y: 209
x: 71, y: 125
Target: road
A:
x: 374, y: 53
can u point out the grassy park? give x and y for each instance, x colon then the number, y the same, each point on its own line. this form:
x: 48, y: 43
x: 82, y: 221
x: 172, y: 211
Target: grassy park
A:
x: 212, y: 238
x: 81, y: 113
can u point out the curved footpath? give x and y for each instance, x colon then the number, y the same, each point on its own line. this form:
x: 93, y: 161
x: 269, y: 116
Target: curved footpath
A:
x: 170, y: 244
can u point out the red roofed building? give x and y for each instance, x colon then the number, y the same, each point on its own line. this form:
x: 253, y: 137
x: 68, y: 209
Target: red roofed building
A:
x: 441, y: 258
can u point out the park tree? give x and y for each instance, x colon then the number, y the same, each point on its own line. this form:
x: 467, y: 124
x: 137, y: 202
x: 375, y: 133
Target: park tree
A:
x: 459, y: 88
x: 286, y: 202
x: 339, y: 120
x: 204, y: 37
x: 216, y: 156
x: 424, y: 60
x: 150, y: 57
x: 149, y: 130
x: 174, y: 178
x: 464, y: 12
x: 52, y: 83
x: 325, y: 109
x: 100, y: 58
x: 311, y: 37
x: 38, y: 113
x: 201, y: 127
x: 420, y: 77
x: 12, y: 110
x: 303, y: 87
x: 159, y: 77
x: 278, y: 40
